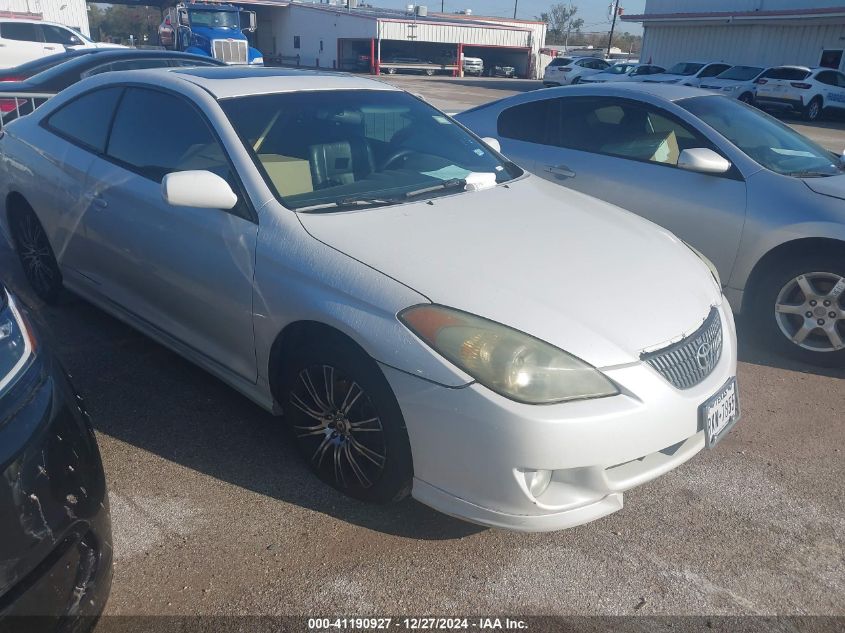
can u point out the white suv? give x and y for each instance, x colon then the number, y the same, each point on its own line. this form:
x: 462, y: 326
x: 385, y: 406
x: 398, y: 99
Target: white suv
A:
x: 22, y: 41
x: 563, y: 71
x: 805, y: 90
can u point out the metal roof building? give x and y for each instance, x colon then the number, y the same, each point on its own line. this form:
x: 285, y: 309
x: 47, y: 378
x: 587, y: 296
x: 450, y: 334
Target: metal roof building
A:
x: 754, y: 32
x: 360, y: 38
x: 73, y: 13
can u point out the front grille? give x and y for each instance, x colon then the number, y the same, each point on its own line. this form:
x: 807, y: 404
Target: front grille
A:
x: 688, y: 362
x: 230, y: 51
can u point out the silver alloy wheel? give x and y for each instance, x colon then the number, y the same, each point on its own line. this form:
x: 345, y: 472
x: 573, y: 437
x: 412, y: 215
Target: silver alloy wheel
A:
x: 346, y: 428
x: 810, y: 312
x: 813, y: 110
x: 34, y: 251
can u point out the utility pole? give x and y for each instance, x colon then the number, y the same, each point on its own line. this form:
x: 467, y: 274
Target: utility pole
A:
x: 568, y: 28
x: 612, y: 26
x: 515, y: 5
x: 442, y: 6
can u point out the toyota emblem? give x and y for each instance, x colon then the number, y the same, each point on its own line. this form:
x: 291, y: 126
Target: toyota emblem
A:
x: 704, y: 355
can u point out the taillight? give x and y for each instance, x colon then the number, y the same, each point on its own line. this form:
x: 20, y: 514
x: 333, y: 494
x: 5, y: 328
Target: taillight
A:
x: 761, y: 81
x: 7, y: 105
x: 10, y: 78
x: 798, y: 84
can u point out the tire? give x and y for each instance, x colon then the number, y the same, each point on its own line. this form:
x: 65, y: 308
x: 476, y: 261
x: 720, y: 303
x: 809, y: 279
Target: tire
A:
x: 813, y: 110
x: 429, y: 73
x: 35, y: 254
x: 391, y: 71
x: 786, y: 286
x: 364, y: 452
x: 747, y: 97
x: 576, y: 81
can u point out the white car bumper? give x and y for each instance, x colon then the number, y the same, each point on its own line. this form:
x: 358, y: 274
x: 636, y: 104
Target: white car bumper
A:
x: 475, y: 451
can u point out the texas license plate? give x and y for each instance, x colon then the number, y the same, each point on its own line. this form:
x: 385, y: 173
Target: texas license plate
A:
x: 720, y: 413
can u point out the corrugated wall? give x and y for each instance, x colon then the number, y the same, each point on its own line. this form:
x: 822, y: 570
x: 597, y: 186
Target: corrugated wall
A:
x: 759, y: 44
x: 448, y: 33
x: 700, y: 6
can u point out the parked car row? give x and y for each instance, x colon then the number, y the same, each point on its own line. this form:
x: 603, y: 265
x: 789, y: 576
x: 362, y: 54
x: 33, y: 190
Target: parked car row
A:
x: 806, y: 91
x: 24, y: 40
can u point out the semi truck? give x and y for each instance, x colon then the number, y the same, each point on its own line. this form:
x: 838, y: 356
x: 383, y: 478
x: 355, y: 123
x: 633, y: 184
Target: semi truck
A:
x: 212, y: 29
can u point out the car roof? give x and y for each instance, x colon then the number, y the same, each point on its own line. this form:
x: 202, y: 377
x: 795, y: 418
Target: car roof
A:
x: 235, y: 81
x: 31, y: 21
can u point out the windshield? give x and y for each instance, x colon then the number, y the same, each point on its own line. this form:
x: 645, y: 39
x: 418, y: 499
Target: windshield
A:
x: 766, y: 140
x: 561, y: 61
x: 619, y: 69
x: 684, y: 68
x: 741, y: 73
x: 344, y: 147
x: 215, y: 19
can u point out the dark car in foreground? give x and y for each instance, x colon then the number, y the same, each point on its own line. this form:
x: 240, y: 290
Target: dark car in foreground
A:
x: 57, y: 78
x: 55, y: 529
x: 35, y: 66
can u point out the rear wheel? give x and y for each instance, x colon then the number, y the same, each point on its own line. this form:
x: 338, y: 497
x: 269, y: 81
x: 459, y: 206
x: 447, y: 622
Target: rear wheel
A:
x: 747, y: 97
x: 799, y: 309
x: 813, y: 110
x: 347, y: 422
x: 35, y: 254
x: 576, y: 80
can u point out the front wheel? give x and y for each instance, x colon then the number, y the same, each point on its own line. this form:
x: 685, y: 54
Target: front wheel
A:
x: 347, y: 422
x: 576, y: 80
x: 799, y: 308
x: 35, y: 254
x: 747, y: 97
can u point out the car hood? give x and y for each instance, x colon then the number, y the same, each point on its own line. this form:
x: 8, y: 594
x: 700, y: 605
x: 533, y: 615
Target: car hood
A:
x: 833, y: 186
x: 588, y: 277
x: 108, y: 45
x: 663, y: 77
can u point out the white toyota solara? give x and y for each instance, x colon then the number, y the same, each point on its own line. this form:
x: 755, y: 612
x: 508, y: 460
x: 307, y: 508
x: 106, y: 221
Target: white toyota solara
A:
x: 429, y: 318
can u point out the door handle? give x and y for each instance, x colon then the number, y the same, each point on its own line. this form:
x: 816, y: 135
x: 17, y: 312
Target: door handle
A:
x: 560, y: 171
x: 99, y: 202
x: 50, y: 48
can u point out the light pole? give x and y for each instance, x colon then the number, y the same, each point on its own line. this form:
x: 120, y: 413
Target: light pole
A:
x: 515, y: 6
x: 612, y: 27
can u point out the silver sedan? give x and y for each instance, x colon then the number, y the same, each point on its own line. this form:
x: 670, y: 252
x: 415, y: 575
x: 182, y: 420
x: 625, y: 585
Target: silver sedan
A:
x: 763, y: 202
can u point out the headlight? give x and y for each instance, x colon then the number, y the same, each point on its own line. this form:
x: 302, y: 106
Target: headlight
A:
x: 17, y: 344
x: 713, y: 270
x: 509, y: 362
x: 257, y: 60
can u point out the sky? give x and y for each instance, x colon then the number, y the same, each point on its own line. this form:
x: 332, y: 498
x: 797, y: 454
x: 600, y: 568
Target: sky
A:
x: 593, y: 12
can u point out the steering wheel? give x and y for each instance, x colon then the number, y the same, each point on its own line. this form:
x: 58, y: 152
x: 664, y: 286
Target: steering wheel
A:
x: 395, y: 157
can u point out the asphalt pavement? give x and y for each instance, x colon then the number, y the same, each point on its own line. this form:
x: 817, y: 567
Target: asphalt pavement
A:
x: 214, y: 513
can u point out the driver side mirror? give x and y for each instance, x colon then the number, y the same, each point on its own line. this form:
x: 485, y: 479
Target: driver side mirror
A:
x: 252, y: 21
x: 703, y: 160
x: 199, y: 189
x: 492, y: 143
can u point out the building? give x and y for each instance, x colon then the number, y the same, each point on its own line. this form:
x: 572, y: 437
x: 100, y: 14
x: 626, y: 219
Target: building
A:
x: 360, y: 38
x: 73, y: 13
x: 753, y: 32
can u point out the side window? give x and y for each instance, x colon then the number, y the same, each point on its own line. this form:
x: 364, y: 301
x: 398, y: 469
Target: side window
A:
x: 828, y: 78
x: 18, y: 31
x: 715, y: 69
x: 142, y: 136
x: 86, y: 120
x: 528, y: 122
x: 138, y: 64
x: 840, y: 80
x: 625, y: 129
x: 58, y: 35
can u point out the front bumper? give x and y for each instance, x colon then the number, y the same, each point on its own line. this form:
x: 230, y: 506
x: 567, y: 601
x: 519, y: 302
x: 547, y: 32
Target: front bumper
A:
x: 475, y: 452
x: 56, y: 545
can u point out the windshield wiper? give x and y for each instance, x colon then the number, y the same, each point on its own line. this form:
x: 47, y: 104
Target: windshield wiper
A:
x: 452, y: 183
x: 813, y: 174
x: 347, y: 203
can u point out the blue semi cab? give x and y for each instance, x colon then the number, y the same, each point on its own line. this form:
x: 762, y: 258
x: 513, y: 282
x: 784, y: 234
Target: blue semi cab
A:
x: 212, y: 29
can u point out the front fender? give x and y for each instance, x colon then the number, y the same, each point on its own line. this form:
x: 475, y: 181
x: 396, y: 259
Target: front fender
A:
x: 255, y: 56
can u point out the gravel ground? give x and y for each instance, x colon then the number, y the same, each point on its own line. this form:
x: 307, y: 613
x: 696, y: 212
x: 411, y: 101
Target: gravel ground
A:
x: 214, y: 513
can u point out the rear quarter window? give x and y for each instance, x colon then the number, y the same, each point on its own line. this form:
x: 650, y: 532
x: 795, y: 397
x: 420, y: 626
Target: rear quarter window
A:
x: 18, y: 31
x: 787, y: 74
x: 86, y: 120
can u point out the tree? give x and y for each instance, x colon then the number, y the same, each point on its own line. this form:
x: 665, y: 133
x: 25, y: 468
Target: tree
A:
x: 117, y: 22
x: 561, y: 21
